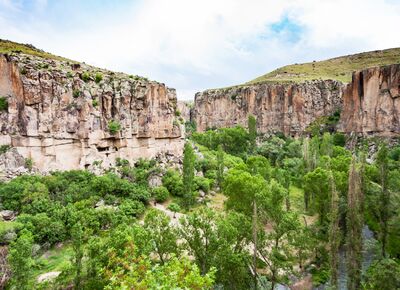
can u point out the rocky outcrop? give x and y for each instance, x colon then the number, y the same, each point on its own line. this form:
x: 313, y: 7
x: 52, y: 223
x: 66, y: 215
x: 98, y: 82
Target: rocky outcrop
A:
x: 59, y: 114
x: 287, y: 108
x: 371, y: 102
x: 184, y: 109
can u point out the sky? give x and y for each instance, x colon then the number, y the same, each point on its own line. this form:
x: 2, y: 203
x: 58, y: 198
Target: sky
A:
x: 196, y: 45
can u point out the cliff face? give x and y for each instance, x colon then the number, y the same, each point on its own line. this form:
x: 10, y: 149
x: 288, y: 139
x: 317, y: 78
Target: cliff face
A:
x: 286, y: 108
x: 371, y: 102
x: 59, y: 114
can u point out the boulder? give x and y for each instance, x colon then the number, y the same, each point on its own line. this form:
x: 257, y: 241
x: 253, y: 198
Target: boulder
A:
x: 8, y: 215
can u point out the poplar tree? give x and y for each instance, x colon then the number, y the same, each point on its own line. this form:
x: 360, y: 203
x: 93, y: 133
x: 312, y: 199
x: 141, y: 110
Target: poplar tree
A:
x: 382, y: 161
x: 334, y: 233
x: 252, y: 125
x: 188, y: 174
x: 220, y: 165
x: 354, y: 227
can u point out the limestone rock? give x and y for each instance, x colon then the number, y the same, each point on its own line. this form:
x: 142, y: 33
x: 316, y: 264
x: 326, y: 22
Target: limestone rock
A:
x: 371, y: 102
x: 286, y: 108
x: 49, y: 276
x: 7, y: 215
x: 61, y: 120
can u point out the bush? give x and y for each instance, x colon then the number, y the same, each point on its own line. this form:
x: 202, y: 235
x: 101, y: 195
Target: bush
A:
x: 76, y: 93
x: 173, y: 182
x: 3, y: 104
x: 95, y: 103
x: 114, y: 127
x: 98, y: 78
x: 132, y: 208
x: 339, y: 139
x: 85, y: 77
x: 160, y: 194
x: 29, y: 163
x: 4, y: 148
x: 202, y: 183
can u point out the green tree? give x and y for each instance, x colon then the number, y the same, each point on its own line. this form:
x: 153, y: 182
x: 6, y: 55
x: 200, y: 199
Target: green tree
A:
x: 220, y: 165
x: 334, y: 233
x: 275, y: 246
x: 252, y: 126
x: 20, y: 259
x: 174, y: 207
x: 162, y: 235
x: 382, y: 161
x: 383, y: 275
x: 200, y: 237
x: 188, y: 174
x: 77, y: 237
x: 316, y: 192
x: 354, y: 227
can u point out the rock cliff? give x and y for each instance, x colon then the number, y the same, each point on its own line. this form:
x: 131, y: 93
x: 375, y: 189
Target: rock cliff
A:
x: 65, y: 115
x: 288, y: 108
x: 371, y: 102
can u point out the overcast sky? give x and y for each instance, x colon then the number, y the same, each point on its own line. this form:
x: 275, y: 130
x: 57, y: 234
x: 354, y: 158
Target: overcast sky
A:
x: 194, y: 45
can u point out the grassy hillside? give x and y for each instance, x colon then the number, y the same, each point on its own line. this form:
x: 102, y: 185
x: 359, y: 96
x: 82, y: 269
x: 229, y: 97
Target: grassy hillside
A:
x: 9, y: 47
x: 339, y: 68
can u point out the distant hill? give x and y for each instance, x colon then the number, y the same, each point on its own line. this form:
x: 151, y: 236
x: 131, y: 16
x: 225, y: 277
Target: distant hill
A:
x: 338, y: 68
x: 9, y: 47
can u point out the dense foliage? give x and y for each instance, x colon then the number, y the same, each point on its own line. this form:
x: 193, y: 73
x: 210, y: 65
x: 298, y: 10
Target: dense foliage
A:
x: 289, y: 207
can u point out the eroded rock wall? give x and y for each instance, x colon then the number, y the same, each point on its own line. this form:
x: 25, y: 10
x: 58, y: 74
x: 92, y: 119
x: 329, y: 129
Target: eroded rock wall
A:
x: 286, y: 108
x: 59, y: 111
x: 371, y: 102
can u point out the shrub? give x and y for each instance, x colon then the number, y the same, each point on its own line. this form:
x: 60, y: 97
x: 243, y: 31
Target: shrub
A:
x: 177, y: 113
x: 202, y: 183
x: 69, y: 75
x: 339, y: 139
x: 114, y: 127
x: 95, y: 103
x: 76, y: 93
x: 132, y: 208
x: 98, y: 78
x: 85, y: 77
x: 160, y: 194
x: 29, y: 163
x: 119, y: 162
x: 3, y: 104
x: 23, y: 71
x: 173, y: 182
x: 4, y: 148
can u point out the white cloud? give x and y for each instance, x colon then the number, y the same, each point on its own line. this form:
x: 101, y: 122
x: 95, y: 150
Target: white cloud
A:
x: 194, y: 45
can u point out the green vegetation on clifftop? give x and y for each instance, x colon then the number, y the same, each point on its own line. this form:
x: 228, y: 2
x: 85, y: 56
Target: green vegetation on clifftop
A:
x: 338, y: 68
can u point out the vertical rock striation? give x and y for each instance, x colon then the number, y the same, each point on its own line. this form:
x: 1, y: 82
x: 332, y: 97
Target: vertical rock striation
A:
x: 59, y: 112
x: 287, y: 108
x: 371, y: 102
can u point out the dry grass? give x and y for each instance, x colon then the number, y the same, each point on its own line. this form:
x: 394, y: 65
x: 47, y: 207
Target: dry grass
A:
x: 339, y: 68
x: 10, y: 47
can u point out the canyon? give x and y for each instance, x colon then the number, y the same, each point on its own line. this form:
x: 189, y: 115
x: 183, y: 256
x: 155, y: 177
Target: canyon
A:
x: 369, y: 104
x: 65, y: 115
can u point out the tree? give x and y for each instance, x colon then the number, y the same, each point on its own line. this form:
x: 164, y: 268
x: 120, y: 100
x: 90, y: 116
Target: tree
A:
x: 77, y: 237
x: 275, y: 246
x: 383, y: 274
x: 233, y: 258
x: 334, y: 233
x: 316, y: 193
x: 220, y: 165
x: 382, y: 161
x: 174, y: 207
x: 188, y: 174
x: 162, y: 235
x: 200, y: 236
x: 243, y: 190
x: 20, y: 259
x: 252, y: 126
x: 354, y: 227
